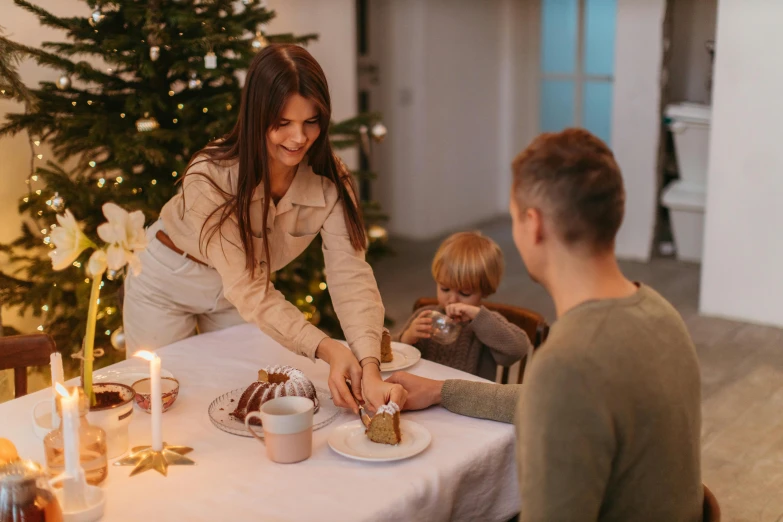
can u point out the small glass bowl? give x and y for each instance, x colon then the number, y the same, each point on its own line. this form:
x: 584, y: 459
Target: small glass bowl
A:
x: 169, y: 387
x: 445, y: 330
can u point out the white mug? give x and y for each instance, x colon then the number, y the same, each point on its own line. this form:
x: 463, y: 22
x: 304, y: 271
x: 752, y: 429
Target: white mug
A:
x: 288, y: 428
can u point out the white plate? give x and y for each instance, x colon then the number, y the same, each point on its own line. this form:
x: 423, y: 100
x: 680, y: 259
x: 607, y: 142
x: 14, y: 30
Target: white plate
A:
x: 127, y: 374
x: 221, y: 407
x: 404, y: 356
x: 349, y: 440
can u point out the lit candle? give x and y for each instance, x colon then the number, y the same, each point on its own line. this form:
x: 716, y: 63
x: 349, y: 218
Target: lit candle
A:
x: 73, y: 483
x: 156, y: 398
x: 69, y: 404
x: 58, y: 376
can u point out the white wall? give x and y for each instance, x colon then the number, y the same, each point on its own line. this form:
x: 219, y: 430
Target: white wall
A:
x: 335, y: 23
x: 440, y: 66
x: 520, y: 30
x: 693, y: 23
x: 742, y: 270
x: 636, y: 119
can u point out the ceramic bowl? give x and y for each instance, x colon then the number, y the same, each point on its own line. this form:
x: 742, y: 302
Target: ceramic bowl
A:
x: 169, y: 387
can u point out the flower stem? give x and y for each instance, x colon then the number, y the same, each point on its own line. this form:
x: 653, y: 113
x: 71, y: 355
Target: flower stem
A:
x: 89, y: 338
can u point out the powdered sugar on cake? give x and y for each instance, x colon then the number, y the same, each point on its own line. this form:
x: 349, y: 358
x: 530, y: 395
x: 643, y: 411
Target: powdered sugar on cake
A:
x: 390, y: 408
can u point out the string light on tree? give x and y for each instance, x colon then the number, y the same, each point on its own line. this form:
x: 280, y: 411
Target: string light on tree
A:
x: 154, y: 52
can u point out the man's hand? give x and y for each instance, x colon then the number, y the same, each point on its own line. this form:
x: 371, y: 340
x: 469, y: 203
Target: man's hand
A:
x: 422, y: 392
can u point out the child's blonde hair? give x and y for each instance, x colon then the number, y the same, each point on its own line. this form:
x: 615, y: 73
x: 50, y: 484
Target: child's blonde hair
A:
x: 470, y: 262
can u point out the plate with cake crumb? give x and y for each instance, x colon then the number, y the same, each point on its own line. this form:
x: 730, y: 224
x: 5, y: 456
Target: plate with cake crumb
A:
x: 350, y: 440
x: 402, y: 355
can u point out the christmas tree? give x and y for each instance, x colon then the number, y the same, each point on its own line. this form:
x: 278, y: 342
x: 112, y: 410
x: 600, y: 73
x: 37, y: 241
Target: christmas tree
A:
x: 143, y: 85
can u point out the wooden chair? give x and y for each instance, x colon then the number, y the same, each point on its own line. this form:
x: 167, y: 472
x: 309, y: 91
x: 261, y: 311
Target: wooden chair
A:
x: 20, y: 351
x: 711, y: 507
x: 533, y: 323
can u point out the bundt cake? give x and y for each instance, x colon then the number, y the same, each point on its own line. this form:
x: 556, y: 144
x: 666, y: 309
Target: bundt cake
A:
x: 385, y: 425
x: 273, y: 382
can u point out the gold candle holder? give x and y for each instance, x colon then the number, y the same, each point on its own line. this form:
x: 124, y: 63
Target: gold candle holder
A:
x: 146, y: 458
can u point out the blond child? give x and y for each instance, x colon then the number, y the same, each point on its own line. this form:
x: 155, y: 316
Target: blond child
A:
x: 467, y: 269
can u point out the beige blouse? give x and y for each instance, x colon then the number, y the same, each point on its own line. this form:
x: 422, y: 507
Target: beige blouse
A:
x: 309, y: 207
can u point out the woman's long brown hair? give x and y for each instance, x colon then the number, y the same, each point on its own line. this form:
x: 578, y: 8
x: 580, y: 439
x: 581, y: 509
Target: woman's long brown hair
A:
x: 277, y: 72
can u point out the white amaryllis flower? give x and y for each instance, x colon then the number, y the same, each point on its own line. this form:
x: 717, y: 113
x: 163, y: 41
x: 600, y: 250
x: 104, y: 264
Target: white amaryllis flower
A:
x: 69, y: 241
x: 96, y: 266
x: 124, y: 232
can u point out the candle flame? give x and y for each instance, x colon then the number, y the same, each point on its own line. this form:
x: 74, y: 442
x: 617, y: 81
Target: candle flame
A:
x: 62, y: 390
x: 144, y: 354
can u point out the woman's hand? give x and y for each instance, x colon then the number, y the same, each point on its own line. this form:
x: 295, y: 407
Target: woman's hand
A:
x: 420, y: 328
x: 342, y: 366
x: 376, y: 391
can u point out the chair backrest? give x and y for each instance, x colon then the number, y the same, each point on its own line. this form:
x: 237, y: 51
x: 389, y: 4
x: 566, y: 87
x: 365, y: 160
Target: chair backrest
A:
x: 533, y: 324
x: 20, y: 351
x: 711, y: 507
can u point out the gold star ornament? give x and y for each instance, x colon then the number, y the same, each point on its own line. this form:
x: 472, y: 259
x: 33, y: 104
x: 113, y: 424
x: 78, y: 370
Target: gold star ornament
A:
x: 145, y: 458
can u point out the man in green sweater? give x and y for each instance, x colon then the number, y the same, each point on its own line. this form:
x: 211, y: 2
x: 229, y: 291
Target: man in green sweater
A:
x: 608, y: 418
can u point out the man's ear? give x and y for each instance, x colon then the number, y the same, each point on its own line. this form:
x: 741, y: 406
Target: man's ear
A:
x: 535, y: 222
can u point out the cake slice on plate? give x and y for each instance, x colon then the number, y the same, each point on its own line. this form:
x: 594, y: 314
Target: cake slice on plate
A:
x: 384, y: 428
x: 386, y: 351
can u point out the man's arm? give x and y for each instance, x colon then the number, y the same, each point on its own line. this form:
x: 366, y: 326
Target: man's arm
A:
x: 483, y: 400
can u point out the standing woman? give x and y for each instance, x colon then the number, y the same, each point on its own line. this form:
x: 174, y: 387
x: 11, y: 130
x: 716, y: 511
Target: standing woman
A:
x: 250, y: 203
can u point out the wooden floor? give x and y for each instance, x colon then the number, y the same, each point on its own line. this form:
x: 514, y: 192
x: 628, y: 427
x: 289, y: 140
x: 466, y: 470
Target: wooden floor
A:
x: 741, y: 364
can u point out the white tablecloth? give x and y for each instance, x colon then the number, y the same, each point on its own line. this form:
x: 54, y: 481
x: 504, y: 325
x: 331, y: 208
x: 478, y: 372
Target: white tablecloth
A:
x: 467, y: 473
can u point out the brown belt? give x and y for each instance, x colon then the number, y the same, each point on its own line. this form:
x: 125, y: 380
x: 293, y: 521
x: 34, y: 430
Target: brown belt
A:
x: 166, y: 240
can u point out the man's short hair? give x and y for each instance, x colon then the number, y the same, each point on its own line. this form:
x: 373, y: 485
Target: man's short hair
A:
x: 573, y: 179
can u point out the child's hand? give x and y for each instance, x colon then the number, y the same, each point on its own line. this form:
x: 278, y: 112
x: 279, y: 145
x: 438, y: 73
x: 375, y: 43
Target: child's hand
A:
x: 462, y: 312
x: 420, y: 328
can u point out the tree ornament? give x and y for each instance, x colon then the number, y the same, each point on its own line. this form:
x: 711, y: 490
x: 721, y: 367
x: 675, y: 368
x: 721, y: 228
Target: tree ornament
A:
x: 118, y: 339
x: 210, y: 60
x: 194, y: 82
x: 147, y: 123
x: 378, y: 132
x: 58, y: 203
x: 377, y: 234
x: 259, y: 42
x: 64, y: 82
x: 364, y: 139
x: 113, y: 275
x: 96, y: 17
x: 154, y: 52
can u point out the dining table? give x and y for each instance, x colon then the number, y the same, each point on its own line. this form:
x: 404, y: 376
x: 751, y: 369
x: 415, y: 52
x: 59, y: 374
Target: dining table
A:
x: 467, y: 472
